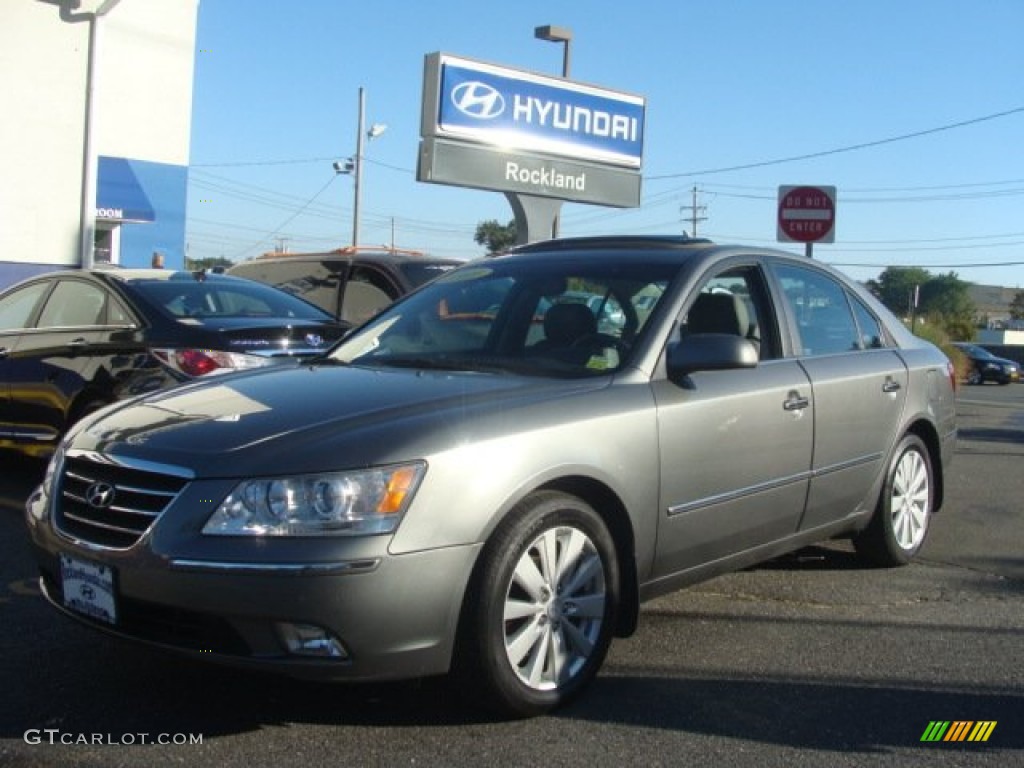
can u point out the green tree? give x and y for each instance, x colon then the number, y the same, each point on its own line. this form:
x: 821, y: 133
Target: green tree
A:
x: 194, y: 265
x: 1017, y: 306
x: 944, y: 299
x: 495, y: 236
x: 895, y: 287
x: 947, y: 296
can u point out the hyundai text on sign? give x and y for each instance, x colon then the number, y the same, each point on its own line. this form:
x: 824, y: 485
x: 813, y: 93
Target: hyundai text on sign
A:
x: 514, y: 109
x: 807, y: 214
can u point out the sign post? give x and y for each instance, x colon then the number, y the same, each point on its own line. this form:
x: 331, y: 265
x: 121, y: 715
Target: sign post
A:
x: 806, y: 215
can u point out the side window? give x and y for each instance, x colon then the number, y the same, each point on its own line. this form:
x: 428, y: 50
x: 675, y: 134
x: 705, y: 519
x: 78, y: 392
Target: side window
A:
x: 735, y: 302
x: 871, y: 336
x: 822, y: 312
x: 367, y: 292
x: 16, y: 309
x: 73, y: 303
x: 118, y: 315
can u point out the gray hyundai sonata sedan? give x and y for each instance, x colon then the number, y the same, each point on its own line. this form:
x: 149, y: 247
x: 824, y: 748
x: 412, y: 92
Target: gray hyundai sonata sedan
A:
x: 488, y: 478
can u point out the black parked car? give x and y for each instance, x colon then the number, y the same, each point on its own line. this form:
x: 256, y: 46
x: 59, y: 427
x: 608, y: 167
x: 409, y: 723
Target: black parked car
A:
x: 987, y: 367
x: 73, y: 341
x: 353, y: 284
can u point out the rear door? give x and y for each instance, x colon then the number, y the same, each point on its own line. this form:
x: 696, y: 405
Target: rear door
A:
x: 57, y: 359
x: 367, y: 291
x: 17, y: 312
x: 859, y: 386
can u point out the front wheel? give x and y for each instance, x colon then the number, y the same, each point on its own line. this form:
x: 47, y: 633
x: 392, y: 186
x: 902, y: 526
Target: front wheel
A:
x: 539, y: 614
x: 900, y: 525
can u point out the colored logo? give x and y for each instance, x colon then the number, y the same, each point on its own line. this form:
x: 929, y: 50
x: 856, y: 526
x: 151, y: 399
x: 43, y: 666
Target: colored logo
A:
x: 100, y: 495
x: 478, y: 100
x: 958, y: 730
x: 314, y: 340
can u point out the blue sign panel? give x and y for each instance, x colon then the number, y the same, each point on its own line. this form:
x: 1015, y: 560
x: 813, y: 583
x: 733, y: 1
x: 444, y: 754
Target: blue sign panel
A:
x: 513, y: 109
x: 119, y: 195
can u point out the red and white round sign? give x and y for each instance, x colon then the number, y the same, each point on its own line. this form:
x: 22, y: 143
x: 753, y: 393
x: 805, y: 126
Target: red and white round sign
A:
x: 807, y: 214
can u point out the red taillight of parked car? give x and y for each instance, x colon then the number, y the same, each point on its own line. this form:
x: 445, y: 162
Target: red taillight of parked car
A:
x: 201, y: 362
x: 196, y: 362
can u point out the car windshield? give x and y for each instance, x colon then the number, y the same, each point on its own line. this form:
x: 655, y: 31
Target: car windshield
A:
x: 521, y: 316
x: 185, y: 299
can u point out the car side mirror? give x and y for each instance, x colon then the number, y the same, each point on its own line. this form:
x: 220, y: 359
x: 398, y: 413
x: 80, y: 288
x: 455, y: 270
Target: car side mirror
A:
x: 709, y: 352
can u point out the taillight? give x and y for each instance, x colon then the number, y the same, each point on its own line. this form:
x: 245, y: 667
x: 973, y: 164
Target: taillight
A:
x: 196, y: 362
x: 201, y: 362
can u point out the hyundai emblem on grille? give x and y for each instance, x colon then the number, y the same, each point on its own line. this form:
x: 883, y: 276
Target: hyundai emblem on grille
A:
x: 100, y: 495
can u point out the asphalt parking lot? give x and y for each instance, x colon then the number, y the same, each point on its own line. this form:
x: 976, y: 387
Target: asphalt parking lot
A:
x: 808, y: 660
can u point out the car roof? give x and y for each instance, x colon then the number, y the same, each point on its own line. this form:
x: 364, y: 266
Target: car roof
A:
x: 362, y: 253
x: 615, y: 242
x: 660, y: 248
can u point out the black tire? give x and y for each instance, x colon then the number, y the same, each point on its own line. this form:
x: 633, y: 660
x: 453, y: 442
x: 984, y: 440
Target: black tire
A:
x: 903, y: 516
x: 534, y: 633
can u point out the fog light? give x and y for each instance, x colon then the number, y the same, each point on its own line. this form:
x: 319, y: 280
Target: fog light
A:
x: 310, y: 640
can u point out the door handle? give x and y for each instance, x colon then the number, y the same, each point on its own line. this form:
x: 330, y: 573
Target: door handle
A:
x: 891, y: 385
x: 795, y: 402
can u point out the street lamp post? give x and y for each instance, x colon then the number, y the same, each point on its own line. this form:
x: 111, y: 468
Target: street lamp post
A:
x: 557, y: 35
x: 561, y: 35
x: 90, y: 161
x: 354, y: 165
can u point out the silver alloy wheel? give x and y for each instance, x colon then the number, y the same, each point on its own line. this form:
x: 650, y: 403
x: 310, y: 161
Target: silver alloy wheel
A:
x: 911, y: 500
x: 554, y: 608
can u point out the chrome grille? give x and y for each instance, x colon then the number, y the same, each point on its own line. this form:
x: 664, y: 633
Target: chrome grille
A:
x: 111, y: 505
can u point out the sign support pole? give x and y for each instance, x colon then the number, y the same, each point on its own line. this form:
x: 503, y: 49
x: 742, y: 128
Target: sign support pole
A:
x: 809, y: 250
x: 535, y: 216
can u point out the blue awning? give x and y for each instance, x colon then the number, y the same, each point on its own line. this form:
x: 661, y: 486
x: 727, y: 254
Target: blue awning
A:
x: 119, y: 196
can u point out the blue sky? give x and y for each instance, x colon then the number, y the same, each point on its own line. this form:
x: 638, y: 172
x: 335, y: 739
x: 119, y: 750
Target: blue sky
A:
x: 912, y: 109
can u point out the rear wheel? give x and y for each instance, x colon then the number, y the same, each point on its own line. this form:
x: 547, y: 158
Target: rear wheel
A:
x: 900, y: 525
x: 539, y: 614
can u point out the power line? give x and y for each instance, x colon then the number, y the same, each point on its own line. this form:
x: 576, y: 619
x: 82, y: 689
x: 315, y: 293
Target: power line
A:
x: 838, y: 150
x: 291, y: 218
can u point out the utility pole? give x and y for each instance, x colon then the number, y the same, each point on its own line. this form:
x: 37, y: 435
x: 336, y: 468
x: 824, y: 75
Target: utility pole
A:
x: 695, y: 211
x: 358, y: 169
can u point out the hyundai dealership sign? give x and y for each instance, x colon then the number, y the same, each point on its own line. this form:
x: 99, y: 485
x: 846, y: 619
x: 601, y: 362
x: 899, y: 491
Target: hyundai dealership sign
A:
x: 510, y: 130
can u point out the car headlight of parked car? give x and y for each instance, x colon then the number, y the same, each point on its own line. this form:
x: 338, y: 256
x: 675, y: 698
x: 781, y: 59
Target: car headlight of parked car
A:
x: 357, y: 503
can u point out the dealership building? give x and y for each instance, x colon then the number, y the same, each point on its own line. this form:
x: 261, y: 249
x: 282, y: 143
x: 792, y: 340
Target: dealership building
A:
x: 96, y: 142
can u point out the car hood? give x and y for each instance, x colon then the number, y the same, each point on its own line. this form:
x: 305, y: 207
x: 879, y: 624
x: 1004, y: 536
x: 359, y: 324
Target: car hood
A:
x: 312, y: 417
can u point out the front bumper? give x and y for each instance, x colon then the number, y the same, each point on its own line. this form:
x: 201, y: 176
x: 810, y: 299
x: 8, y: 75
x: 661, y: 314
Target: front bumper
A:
x: 396, y: 616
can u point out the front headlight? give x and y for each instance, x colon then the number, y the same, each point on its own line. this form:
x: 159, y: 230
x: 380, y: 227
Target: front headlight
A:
x: 356, y: 503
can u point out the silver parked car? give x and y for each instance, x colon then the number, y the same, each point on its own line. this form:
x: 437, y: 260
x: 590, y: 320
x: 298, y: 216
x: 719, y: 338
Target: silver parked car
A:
x: 484, y: 481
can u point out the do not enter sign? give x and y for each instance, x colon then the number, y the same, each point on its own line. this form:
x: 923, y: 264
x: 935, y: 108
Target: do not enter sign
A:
x: 807, y: 215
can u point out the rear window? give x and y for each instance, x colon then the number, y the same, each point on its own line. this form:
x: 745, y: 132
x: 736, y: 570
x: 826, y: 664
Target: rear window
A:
x: 183, y: 299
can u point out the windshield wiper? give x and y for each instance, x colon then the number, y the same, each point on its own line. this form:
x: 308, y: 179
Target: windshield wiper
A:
x: 436, y: 363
